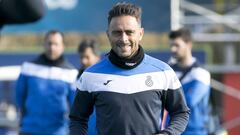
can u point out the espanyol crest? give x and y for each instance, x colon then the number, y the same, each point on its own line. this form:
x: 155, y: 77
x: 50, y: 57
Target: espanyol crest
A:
x: 149, y: 81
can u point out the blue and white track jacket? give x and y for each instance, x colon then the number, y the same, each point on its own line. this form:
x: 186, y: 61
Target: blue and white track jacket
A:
x: 129, y: 101
x: 196, y: 87
x: 44, y: 94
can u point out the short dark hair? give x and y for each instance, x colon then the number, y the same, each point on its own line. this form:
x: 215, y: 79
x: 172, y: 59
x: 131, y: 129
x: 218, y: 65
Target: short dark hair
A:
x: 88, y: 43
x: 51, y: 32
x: 125, y: 9
x: 183, y: 33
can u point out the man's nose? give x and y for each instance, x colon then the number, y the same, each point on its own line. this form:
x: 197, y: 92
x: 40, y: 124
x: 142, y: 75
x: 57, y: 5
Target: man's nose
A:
x: 124, y: 37
x: 51, y: 46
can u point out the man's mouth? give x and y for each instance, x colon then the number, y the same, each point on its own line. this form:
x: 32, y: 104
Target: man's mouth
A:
x: 122, y: 46
x: 125, y: 47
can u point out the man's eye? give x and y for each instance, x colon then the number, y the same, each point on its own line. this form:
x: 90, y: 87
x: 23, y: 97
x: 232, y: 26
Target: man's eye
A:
x: 116, y: 32
x: 129, y: 32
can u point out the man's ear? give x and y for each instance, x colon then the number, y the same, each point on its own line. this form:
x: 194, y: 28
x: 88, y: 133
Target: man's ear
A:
x: 141, y: 33
x: 64, y: 46
x: 107, y: 32
x: 190, y: 44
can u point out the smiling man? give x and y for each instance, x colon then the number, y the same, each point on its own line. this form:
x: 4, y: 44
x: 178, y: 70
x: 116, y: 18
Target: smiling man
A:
x: 128, y: 88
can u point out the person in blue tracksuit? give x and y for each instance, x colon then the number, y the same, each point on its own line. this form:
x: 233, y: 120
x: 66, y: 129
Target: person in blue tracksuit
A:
x: 128, y: 88
x: 89, y: 55
x: 195, y: 81
x: 45, y: 90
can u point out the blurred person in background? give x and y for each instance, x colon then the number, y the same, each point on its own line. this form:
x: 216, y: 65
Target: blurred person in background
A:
x: 45, y: 91
x: 195, y: 81
x: 89, y: 54
x: 126, y: 87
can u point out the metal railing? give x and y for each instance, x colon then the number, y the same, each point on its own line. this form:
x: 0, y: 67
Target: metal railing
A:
x: 233, y: 92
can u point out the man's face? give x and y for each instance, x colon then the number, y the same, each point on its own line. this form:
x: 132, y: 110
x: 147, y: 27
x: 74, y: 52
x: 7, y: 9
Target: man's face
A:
x: 179, y: 48
x: 88, y: 58
x: 54, y: 46
x: 125, y: 33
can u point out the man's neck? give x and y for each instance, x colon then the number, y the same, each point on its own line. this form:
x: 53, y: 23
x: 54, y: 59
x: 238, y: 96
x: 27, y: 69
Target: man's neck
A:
x: 127, y: 63
x: 186, y: 62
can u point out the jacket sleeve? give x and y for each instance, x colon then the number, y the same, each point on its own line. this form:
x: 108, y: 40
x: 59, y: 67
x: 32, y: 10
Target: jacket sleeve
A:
x: 178, y: 111
x: 81, y: 109
x: 21, y: 92
x: 176, y: 106
x: 71, y: 93
x: 72, y: 86
x: 198, y: 89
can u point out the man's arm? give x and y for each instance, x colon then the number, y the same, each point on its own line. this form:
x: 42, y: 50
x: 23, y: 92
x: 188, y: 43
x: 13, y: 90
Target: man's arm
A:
x: 196, y: 93
x: 81, y: 109
x: 175, y: 103
x: 21, y: 92
x: 178, y: 111
x: 71, y: 94
x: 198, y: 88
